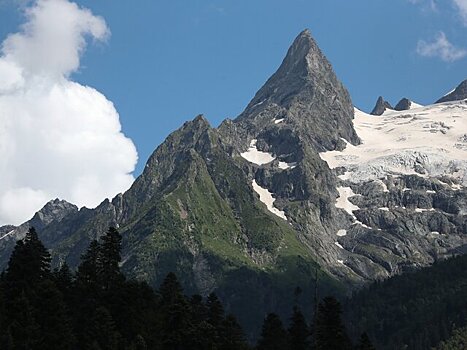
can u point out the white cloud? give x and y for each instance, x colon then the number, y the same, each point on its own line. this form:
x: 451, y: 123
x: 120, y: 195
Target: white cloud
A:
x: 462, y: 7
x: 442, y: 48
x: 57, y: 138
x: 427, y: 4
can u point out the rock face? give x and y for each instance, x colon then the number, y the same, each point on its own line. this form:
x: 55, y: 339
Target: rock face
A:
x: 52, y: 213
x: 403, y: 105
x: 381, y: 106
x: 459, y: 93
x: 307, y: 95
x: 256, y: 207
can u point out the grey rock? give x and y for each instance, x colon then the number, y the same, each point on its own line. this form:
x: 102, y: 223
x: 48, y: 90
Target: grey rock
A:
x: 307, y: 95
x: 381, y: 106
x: 53, y: 212
x: 460, y: 93
x: 403, y: 105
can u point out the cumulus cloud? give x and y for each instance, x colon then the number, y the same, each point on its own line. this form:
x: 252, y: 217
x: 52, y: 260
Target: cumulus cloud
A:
x: 442, y: 48
x: 57, y: 138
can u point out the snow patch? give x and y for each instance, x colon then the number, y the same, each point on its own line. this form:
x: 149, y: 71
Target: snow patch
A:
x: 450, y: 92
x: 266, y: 197
x: 277, y: 121
x: 253, y: 155
x: 343, y: 202
x: 7, y: 234
x: 383, y: 185
x: 341, y: 262
x: 285, y: 166
x: 430, y: 191
x: 339, y: 245
x: 361, y: 224
x: 422, y: 210
x: 342, y: 233
x: 384, y: 209
x: 414, y: 105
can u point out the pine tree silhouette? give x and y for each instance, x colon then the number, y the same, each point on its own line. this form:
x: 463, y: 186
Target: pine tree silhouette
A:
x: 365, y: 343
x: 298, y: 332
x: 273, y: 334
x: 329, y: 329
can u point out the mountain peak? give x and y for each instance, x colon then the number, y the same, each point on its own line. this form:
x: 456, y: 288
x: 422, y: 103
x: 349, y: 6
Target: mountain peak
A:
x: 403, y: 105
x: 306, y: 92
x: 381, y: 106
x: 53, y: 210
x: 459, y: 93
x: 303, y: 64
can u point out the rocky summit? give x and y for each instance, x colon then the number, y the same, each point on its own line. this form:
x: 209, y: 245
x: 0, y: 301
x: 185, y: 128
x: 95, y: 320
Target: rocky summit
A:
x: 381, y: 106
x: 301, y: 188
x: 459, y: 93
x: 403, y: 105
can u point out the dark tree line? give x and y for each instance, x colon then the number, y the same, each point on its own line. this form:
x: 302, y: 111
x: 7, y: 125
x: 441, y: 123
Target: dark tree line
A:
x: 327, y: 331
x: 414, y: 311
x: 97, y: 308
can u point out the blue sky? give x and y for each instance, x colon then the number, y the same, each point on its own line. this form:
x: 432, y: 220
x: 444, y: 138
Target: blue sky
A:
x: 167, y: 61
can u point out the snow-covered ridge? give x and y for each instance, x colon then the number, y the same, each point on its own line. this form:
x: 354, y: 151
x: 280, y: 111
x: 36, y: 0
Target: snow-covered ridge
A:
x: 428, y: 141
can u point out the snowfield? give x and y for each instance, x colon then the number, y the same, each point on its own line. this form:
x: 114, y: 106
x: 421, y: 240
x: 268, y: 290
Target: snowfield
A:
x: 429, y: 141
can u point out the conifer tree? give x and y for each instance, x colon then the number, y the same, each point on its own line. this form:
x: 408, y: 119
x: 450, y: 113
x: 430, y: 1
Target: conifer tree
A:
x: 28, y: 264
x: 23, y: 329
x: 198, y: 310
x: 87, y: 294
x: 298, y: 332
x: 365, y: 343
x: 63, y: 278
x: 3, y: 335
x: 232, y: 336
x: 87, y: 276
x: 53, y: 318
x: 329, y: 329
x: 273, y: 334
x: 215, y: 310
x: 102, y: 333
x: 175, y: 312
x: 110, y: 258
x: 138, y: 344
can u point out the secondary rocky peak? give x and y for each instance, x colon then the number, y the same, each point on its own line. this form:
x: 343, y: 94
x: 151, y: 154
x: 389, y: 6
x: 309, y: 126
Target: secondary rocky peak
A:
x: 381, y: 106
x: 459, y: 93
x: 403, y: 105
x: 54, y: 210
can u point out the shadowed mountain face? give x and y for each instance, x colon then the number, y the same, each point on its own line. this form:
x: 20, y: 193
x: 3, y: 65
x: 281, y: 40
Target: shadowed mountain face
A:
x: 251, y: 209
x: 459, y: 93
